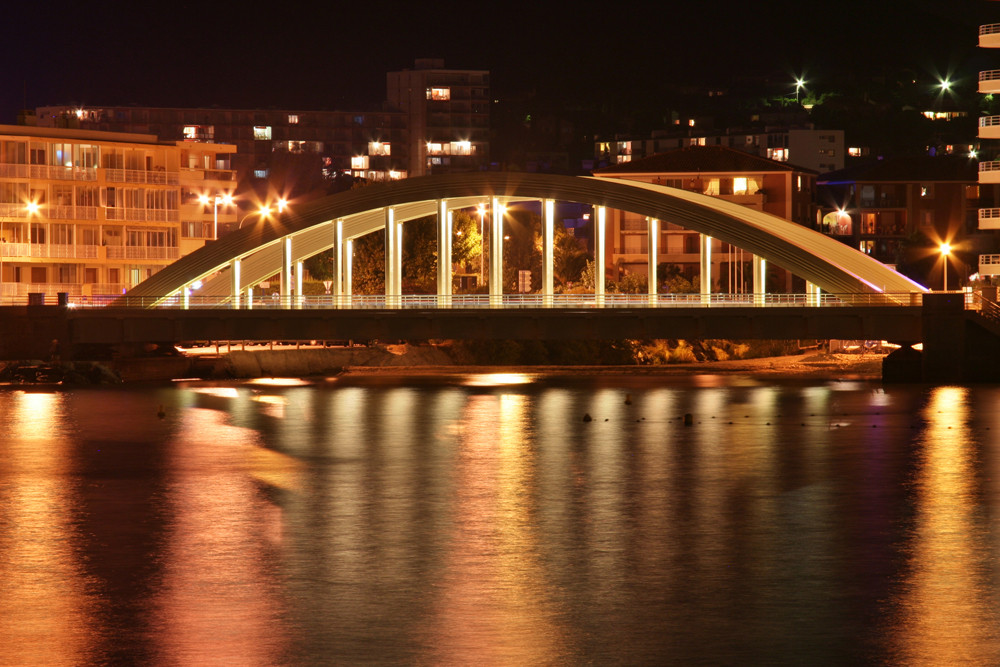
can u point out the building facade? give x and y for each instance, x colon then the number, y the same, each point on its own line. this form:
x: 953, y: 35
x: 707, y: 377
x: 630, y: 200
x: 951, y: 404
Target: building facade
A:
x: 370, y: 145
x: 817, y: 150
x: 448, y: 112
x: 758, y: 183
x: 899, y: 208
x: 94, y: 213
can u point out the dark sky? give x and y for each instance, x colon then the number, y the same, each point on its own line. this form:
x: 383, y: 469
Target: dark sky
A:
x: 335, y: 54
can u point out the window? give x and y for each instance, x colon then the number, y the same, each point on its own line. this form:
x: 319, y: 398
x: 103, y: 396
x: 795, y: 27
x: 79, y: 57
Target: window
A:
x: 293, y: 119
x: 379, y: 148
x: 461, y: 148
x: 38, y: 275
x: 90, y: 275
x: 114, y: 275
x: 61, y: 234
x: 439, y: 94
x: 262, y: 132
x: 67, y: 273
x: 199, y: 132
x: 927, y: 191
x: 89, y: 236
x: 37, y: 232
x: 359, y: 162
x: 260, y: 173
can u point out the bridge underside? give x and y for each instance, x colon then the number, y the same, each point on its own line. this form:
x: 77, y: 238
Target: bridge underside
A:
x: 243, y: 259
x: 130, y: 326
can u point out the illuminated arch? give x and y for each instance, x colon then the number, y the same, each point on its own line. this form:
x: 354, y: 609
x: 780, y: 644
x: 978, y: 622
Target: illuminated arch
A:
x: 829, y: 264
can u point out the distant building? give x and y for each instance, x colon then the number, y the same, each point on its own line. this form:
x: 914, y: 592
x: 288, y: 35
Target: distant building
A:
x: 435, y: 119
x: 370, y: 145
x: 758, y: 183
x: 94, y: 213
x: 887, y: 208
x: 448, y: 112
x: 817, y: 150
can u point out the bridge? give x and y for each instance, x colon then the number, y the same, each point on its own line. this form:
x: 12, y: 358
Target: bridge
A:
x: 208, y: 295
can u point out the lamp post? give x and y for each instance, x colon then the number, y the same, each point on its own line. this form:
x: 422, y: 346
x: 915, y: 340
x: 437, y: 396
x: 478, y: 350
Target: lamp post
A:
x: 225, y: 199
x: 945, y: 251
x: 799, y: 84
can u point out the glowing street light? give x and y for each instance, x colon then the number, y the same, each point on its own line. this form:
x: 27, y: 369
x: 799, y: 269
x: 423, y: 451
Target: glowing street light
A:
x: 799, y: 85
x: 262, y: 211
x: 945, y: 249
x: 224, y: 199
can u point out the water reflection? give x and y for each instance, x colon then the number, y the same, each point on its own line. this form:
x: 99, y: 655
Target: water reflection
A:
x: 946, y: 612
x: 46, y: 607
x: 489, y: 523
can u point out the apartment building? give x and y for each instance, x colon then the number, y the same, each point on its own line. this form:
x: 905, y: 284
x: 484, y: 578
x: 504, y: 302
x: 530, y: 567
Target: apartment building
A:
x: 816, y: 150
x: 448, y: 112
x: 94, y: 213
x: 370, y: 145
x: 886, y: 207
x: 755, y: 182
x: 989, y: 133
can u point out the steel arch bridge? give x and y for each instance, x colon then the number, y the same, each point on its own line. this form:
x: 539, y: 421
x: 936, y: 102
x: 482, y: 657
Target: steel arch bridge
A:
x: 238, y: 261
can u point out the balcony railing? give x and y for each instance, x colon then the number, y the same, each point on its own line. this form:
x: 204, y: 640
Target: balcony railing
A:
x: 989, y: 166
x: 147, y: 176
x: 142, y: 252
x: 989, y: 29
x: 208, y: 174
x: 142, y: 215
x: 49, y: 251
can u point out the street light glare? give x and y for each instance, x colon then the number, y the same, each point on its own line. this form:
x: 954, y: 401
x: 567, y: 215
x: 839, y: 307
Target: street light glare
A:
x: 945, y: 249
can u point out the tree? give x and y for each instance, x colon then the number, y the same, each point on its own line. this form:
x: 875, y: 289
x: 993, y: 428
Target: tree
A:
x: 368, y: 267
x: 569, y: 257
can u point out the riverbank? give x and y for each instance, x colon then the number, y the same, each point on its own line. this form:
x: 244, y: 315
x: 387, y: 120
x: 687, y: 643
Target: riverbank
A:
x: 404, y: 360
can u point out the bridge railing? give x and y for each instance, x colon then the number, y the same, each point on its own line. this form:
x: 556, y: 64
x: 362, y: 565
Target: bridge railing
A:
x: 473, y: 301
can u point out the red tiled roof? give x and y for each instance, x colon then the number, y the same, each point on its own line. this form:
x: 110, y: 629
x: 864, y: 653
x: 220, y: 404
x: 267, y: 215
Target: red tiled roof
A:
x: 694, y: 159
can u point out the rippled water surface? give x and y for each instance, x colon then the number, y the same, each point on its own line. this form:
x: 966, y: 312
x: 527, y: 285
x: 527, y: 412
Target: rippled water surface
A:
x: 482, y: 520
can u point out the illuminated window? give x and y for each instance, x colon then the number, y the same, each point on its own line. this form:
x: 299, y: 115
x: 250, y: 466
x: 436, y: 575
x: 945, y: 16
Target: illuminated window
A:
x: 198, y: 132
x: 260, y: 173
x: 739, y: 185
x: 359, y: 162
x: 927, y: 191
x: 434, y: 148
x: 262, y: 132
x: 379, y: 148
x: 293, y: 119
x: 440, y: 94
x: 461, y: 148
x: 622, y: 159
x: 712, y: 187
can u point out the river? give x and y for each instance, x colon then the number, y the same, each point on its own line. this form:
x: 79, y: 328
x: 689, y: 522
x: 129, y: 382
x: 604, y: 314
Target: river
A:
x: 482, y: 520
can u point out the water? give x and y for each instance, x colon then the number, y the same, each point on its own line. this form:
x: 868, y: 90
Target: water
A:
x: 481, y: 520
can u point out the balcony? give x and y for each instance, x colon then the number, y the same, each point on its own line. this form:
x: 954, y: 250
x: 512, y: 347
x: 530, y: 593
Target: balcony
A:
x: 151, y: 177
x: 989, y: 127
x: 989, y: 218
x: 48, y: 251
x: 989, y: 36
x: 989, y: 265
x: 989, y: 172
x: 989, y: 81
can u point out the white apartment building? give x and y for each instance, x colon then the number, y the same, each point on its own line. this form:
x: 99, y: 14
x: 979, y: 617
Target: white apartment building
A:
x: 91, y: 214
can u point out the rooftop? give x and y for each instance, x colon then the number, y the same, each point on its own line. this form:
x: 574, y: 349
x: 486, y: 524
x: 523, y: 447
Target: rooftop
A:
x: 907, y: 169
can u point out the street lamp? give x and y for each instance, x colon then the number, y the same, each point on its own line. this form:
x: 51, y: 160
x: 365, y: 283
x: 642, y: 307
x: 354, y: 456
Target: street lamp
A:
x: 225, y: 199
x: 945, y: 249
x: 264, y: 210
x: 799, y: 84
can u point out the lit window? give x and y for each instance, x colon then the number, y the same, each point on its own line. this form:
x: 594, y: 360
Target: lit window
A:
x: 798, y: 183
x: 739, y: 185
x: 260, y: 173
x: 198, y: 132
x: 293, y: 119
x: 440, y: 94
x: 379, y: 148
x: 690, y: 122
x: 359, y: 162
x: 622, y: 159
x: 262, y: 132
x: 434, y: 148
x: 461, y: 148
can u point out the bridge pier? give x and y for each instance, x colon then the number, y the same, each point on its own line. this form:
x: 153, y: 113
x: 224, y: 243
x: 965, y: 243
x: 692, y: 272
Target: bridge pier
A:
x: 548, y: 250
x: 496, y: 253
x: 652, y: 254
x: 444, y: 232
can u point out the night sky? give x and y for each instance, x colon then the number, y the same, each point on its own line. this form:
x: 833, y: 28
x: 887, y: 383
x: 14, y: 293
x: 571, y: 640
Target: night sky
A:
x: 288, y: 55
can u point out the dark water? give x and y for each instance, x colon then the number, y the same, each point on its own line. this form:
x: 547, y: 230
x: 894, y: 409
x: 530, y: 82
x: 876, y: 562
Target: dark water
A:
x: 482, y: 521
